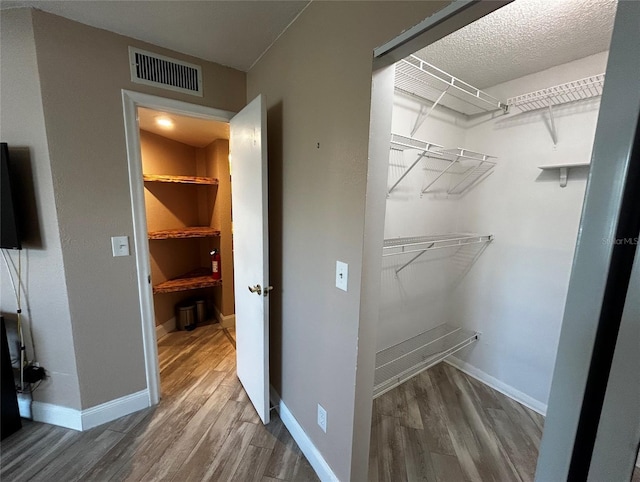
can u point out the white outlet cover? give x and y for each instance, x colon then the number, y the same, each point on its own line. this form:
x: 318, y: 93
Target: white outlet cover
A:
x: 322, y: 418
x: 342, y: 275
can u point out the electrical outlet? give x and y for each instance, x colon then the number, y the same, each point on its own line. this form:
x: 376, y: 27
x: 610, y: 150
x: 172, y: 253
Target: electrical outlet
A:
x: 322, y: 418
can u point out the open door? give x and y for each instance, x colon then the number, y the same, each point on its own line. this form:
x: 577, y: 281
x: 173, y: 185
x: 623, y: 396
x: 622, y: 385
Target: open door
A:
x: 248, y: 158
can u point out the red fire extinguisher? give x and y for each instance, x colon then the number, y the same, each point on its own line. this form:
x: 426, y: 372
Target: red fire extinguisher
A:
x: 216, y: 264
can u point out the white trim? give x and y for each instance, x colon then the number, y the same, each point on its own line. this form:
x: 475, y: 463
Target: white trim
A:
x: 313, y: 455
x: 166, y: 327
x: 226, y: 321
x: 130, y: 102
x: 108, y: 411
x: 92, y: 417
x: 24, y: 405
x: 56, y: 415
x: 498, y: 385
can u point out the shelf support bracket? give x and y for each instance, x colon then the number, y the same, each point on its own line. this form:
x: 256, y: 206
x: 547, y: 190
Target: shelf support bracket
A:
x: 453, y: 163
x: 404, y: 174
x: 563, y: 176
x: 413, y: 259
x: 554, y: 134
x: 423, y: 116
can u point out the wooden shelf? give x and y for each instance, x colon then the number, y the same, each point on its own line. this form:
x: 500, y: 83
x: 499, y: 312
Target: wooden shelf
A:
x: 193, y: 280
x: 183, y: 233
x: 180, y: 179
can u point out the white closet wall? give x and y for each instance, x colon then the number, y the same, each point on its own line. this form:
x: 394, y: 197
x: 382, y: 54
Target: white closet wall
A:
x: 513, y: 291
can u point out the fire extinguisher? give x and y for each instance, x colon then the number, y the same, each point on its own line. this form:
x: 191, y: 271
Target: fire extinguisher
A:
x: 216, y: 264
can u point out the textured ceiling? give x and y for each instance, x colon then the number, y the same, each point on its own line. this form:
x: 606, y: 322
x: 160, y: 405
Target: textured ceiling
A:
x: 524, y: 37
x: 232, y: 33
x: 188, y: 130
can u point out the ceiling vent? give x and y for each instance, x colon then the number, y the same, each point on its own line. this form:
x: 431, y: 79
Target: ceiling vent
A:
x: 164, y: 72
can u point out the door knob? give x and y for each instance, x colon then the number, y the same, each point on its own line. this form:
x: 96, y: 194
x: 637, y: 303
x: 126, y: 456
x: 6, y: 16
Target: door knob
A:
x: 256, y: 289
x: 267, y: 289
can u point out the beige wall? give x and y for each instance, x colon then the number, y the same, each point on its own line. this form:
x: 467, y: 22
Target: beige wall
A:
x: 317, y: 81
x: 45, y: 302
x: 82, y: 71
x: 216, y: 156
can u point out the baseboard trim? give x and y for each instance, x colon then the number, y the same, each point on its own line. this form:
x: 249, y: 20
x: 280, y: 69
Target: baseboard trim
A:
x: 226, y: 321
x: 56, y: 415
x: 92, y: 417
x: 498, y: 385
x: 313, y: 455
x: 109, y: 411
x: 166, y: 327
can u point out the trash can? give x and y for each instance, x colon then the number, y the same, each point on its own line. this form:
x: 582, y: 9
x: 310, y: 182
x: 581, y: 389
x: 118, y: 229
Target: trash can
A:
x: 186, y: 316
x: 201, y: 311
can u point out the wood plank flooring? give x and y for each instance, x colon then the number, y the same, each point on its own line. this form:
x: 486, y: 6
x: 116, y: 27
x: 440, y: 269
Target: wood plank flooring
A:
x: 204, y: 428
x: 445, y: 426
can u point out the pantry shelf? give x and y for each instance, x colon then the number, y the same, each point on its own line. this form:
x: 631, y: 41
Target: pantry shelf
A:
x: 419, y: 78
x: 198, y: 278
x: 183, y: 233
x: 468, y: 167
x: 180, y: 179
x: 424, y: 149
x: 398, y: 363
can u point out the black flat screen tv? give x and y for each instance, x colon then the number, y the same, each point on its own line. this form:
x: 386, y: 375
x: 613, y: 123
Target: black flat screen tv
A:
x: 9, y: 229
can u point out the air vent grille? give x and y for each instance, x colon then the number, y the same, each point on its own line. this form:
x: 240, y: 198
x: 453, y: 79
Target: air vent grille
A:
x: 164, y: 72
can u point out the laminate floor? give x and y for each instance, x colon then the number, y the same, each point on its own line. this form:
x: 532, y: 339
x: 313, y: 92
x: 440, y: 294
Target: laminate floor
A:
x: 204, y: 428
x: 443, y: 425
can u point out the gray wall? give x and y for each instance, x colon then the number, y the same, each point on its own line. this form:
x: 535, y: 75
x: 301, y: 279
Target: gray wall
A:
x: 82, y: 71
x: 317, y: 81
x: 45, y: 306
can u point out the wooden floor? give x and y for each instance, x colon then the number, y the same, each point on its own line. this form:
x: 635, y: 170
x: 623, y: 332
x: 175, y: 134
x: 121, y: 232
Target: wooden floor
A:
x: 203, y: 429
x: 445, y: 426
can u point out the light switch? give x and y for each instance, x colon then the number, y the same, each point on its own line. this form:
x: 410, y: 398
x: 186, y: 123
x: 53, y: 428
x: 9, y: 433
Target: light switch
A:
x: 342, y: 275
x: 120, y: 245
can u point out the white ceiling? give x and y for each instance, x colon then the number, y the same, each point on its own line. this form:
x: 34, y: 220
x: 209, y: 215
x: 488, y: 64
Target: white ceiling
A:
x: 232, y: 33
x: 524, y: 37
x: 188, y: 130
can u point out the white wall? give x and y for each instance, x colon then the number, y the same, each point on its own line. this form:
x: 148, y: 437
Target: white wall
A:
x: 45, y: 301
x: 515, y: 291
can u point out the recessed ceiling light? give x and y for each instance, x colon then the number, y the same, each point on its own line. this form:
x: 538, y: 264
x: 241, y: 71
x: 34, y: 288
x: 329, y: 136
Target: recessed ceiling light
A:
x: 164, y: 122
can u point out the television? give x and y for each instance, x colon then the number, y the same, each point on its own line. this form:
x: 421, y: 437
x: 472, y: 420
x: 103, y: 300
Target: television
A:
x: 9, y: 229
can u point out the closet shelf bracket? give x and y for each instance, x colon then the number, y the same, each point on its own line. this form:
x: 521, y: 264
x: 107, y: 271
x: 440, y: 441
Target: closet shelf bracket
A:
x: 477, y: 167
x: 403, y: 143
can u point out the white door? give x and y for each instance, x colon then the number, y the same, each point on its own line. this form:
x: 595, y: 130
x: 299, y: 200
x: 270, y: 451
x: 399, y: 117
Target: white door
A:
x: 248, y: 158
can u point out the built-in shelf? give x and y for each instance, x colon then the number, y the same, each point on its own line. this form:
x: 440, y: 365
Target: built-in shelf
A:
x: 180, y: 179
x: 419, y: 78
x: 563, y: 169
x: 182, y: 233
x: 398, y: 363
x: 418, y: 245
x: 193, y: 280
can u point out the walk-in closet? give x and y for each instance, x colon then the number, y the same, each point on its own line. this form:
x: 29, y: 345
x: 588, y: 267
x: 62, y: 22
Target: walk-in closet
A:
x: 489, y: 152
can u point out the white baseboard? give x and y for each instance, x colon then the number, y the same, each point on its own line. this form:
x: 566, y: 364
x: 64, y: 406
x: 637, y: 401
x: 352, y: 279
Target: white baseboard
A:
x: 166, y: 327
x: 313, y: 455
x: 108, y: 411
x: 226, y: 321
x: 92, y: 417
x: 56, y: 415
x: 498, y: 385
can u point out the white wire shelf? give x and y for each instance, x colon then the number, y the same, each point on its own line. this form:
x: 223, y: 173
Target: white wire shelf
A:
x: 399, y: 363
x: 465, y: 167
x: 417, y: 77
x: 418, y: 245
x: 559, y: 94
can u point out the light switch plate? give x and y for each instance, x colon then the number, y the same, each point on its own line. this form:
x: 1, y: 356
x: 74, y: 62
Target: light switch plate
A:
x: 120, y: 245
x: 342, y: 275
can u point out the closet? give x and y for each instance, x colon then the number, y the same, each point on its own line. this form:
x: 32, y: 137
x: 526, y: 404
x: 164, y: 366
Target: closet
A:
x: 484, y: 195
x: 188, y: 210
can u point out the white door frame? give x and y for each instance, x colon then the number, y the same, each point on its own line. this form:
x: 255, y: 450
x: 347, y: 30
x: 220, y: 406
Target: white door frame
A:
x: 130, y: 102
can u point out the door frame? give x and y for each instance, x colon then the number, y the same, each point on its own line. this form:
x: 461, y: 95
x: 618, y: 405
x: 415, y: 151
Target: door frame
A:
x: 131, y: 100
